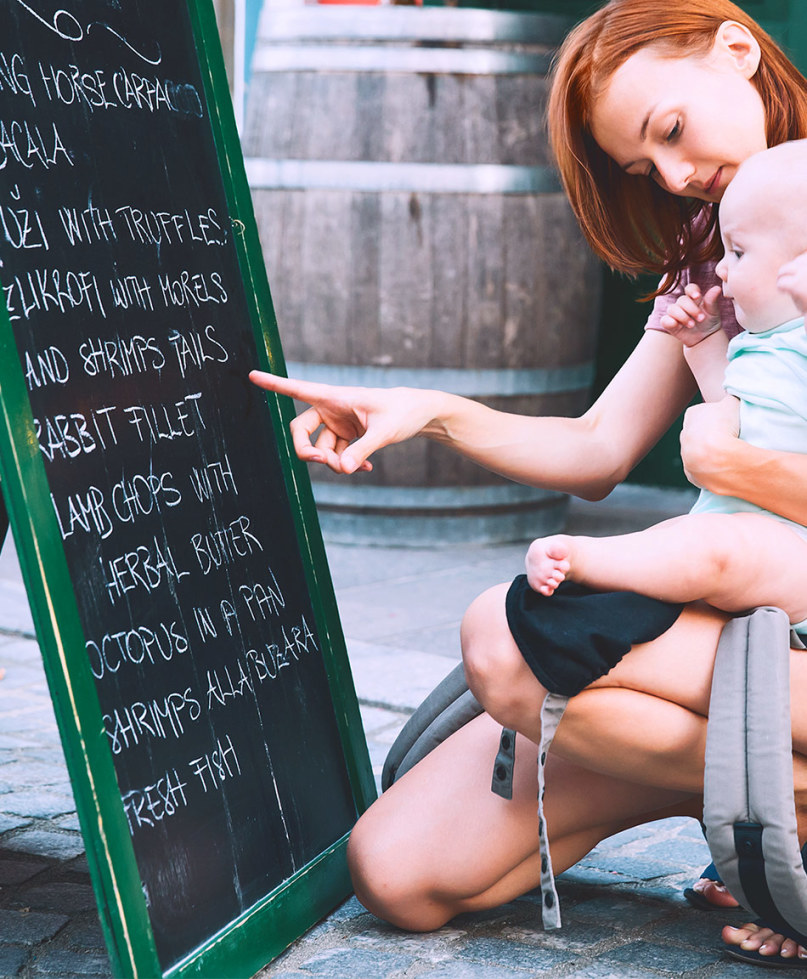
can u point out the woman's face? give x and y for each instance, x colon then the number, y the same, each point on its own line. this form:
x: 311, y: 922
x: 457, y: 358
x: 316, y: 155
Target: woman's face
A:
x: 686, y: 122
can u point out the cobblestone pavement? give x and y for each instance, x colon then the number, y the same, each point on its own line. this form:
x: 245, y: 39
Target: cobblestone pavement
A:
x: 623, y: 911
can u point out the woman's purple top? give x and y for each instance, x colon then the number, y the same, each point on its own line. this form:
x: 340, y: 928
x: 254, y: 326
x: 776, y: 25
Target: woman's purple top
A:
x: 703, y: 275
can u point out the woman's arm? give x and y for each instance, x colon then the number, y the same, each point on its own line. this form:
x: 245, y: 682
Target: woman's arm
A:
x: 716, y: 459
x: 586, y: 456
x: 589, y: 455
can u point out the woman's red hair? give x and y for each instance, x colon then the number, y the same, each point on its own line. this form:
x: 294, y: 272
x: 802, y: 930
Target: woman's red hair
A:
x: 629, y: 221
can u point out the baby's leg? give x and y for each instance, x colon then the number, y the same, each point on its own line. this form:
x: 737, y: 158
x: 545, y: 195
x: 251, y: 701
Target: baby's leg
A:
x: 733, y: 561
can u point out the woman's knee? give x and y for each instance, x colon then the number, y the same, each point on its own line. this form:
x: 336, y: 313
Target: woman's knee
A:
x: 495, y: 670
x: 387, y: 886
x: 489, y: 655
x: 373, y: 879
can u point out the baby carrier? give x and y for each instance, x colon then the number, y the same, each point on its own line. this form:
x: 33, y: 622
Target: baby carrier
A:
x: 749, y: 805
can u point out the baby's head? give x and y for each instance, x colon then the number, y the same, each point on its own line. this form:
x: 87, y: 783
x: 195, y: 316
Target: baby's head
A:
x: 763, y: 224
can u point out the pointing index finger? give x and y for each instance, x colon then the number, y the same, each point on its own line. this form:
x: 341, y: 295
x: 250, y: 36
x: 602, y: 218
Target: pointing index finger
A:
x: 307, y: 391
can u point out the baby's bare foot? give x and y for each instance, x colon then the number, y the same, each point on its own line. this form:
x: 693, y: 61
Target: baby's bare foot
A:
x: 548, y: 563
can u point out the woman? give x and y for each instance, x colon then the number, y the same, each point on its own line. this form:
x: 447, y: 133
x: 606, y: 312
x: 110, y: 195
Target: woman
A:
x: 654, y: 106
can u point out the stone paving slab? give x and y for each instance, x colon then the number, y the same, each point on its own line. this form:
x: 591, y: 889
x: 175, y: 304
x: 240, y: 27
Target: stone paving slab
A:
x: 636, y: 925
x: 393, y: 678
x: 624, y: 917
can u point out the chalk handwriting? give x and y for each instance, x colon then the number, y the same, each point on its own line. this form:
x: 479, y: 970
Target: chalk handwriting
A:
x: 154, y: 423
x: 25, y: 143
x: 197, y: 349
x: 224, y: 546
x: 229, y: 615
x: 125, y: 291
x: 217, y: 766
x: 149, y: 227
x: 146, y: 567
x: 204, y: 623
x: 131, y: 291
x: 119, y: 356
x: 153, y: 226
x: 135, y: 646
x: 153, y: 803
x: 53, y: 290
x: 22, y: 228
x: 48, y: 367
x: 68, y: 27
x: 87, y: 225
x: 98, y: 89
x: 298, y: 640
x: 160, y: 718
x: 225, y: 684
x: 131, y: 497
x: 192, y: 289
x: 14, y: 78
x: 230, y: 681
x: 147, y: 806
x: 262, y: 600
x: 214, y: 479
x: 76, y: 434
x: 143, y: 494
x: 84, y: 511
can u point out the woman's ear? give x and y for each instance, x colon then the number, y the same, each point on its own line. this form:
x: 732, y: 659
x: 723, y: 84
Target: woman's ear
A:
x: 736, y: 44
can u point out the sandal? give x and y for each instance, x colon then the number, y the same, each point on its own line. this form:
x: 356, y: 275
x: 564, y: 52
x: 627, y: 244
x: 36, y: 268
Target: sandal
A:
x: 754, y: 957
x: 698, y: 900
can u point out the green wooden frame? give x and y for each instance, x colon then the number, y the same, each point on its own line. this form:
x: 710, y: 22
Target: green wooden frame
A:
x: 251, y: 940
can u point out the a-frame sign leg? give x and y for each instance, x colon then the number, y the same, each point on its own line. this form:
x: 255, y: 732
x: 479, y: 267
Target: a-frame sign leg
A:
x: 3, y: 520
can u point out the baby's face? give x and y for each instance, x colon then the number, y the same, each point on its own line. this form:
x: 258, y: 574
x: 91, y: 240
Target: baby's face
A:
x: 758, y: 241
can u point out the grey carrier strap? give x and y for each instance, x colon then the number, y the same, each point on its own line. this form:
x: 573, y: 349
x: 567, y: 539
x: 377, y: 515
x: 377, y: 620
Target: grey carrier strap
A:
x: 446, y: 709
x: 749, y: 804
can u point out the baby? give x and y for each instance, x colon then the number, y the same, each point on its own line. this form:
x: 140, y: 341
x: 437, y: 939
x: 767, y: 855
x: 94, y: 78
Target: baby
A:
x: 726, y: 551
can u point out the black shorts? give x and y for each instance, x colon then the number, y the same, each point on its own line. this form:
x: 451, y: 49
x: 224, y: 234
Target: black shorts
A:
x: 576, y: 635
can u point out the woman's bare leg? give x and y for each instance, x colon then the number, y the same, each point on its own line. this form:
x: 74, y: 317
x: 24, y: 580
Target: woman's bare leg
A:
x: 676, y: 667
x: 439, y: 842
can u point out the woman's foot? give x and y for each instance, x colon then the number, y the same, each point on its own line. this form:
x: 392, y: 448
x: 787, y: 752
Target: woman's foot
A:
x: 548, y: 563
x: 709, y: 892
x: 712, y: 894
x: 755, y: 943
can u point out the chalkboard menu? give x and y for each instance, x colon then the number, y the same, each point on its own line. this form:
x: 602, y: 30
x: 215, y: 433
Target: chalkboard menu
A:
x: 166, y: 534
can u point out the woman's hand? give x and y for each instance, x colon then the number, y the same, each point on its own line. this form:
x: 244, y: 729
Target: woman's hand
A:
x: 354, y: 421
x: 707, y: 438
x: 793, y: 280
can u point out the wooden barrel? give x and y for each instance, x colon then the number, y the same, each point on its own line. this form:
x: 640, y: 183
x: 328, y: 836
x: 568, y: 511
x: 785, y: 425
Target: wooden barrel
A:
x: 415, y: 233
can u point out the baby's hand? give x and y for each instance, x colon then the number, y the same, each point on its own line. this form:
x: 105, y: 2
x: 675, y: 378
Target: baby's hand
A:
x: 793, y: 280
x: 693, y: 317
